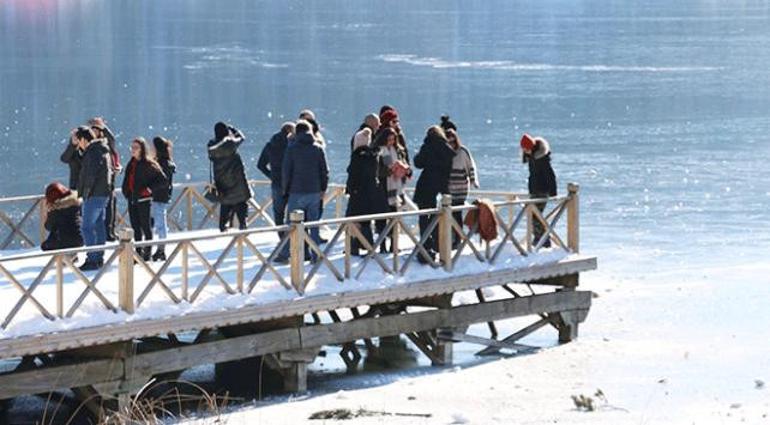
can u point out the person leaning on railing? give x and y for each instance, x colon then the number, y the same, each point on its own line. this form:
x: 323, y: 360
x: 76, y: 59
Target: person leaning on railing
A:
x: 542, y: 180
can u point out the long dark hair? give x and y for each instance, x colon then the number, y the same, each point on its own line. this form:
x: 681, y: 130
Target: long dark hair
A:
x: 381, y: 138
x: 144, y: 153
x: 162, y: 148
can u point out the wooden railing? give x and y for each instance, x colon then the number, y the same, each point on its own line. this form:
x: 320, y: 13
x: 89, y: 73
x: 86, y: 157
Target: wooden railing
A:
x: 243, y: 260
x: 23, y: 217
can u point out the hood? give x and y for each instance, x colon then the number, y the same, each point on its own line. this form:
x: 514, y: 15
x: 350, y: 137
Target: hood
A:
x: 70, y: 200
x: 304, y: 138
x: 99, y: 145
x: 542, y: 148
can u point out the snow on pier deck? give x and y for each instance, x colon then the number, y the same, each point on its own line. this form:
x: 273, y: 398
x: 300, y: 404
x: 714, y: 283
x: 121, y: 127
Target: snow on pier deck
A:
x: 214, y: 280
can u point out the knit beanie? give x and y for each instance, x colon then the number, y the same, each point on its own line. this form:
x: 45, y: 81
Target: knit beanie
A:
x: 527, y: 143
x: 221, y: 130
x: 447, y: 124
x: 55, y: 191
x: 388, y: 116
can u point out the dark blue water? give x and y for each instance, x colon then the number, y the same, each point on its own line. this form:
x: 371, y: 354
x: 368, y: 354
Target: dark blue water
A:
x: 659, y: 110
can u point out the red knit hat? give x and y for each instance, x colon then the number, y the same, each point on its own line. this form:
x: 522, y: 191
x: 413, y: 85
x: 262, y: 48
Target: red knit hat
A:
x: 388, y: 116
x: 527, y: 142
x: 55, y: 191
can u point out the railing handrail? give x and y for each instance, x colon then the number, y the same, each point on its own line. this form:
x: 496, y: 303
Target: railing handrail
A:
x: 293, y: 237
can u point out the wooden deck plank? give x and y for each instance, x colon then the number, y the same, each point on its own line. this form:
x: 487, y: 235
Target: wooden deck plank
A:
x: 44, y: 343
x: 93, y: 372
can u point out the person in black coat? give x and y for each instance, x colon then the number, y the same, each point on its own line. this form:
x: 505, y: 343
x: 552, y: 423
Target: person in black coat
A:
x: 161, y: 195
x: 542, y: 179
x: 143, y: 176
x: 62, y: 219
x: 435, y: 159
x: 269, y: 163
x: 366, y: 195
x: 72, y: 156
x: 229, y: 175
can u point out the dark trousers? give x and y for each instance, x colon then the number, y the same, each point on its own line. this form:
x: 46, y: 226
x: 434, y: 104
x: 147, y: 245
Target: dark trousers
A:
x: 458, y: 217
x: 431, y: 244
x: 366, y: 229
x: 537, y: 227
x: 139, y: 216
x: 279, y: 207
x: 226, y: 213
x: 111, y: 216
x: 380, y: 225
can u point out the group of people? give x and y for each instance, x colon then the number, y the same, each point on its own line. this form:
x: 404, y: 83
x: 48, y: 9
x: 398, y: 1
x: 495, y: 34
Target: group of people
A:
x: 295, y: 162
x: 85, y: 211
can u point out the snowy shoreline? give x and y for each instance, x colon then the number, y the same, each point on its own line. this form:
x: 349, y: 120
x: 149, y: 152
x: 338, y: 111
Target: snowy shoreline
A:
x: 684, y: 351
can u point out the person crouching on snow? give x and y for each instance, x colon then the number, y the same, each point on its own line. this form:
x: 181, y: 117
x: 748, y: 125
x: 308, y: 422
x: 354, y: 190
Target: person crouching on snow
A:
x: 542, y: 180
x: 62, y: 218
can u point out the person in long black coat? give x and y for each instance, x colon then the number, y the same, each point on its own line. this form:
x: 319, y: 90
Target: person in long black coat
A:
x: 542, y: 179
x: 62, y: 219
x: 366, y: 196
x: 229, y: 175
x: 435, y: 159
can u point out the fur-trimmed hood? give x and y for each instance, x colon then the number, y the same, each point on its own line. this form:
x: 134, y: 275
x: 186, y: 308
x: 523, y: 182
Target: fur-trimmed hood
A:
x: 542, y: 148
x: 70, y: 200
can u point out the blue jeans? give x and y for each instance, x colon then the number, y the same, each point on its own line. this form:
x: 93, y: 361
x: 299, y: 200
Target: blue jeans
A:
x: 307, y: 202
x: 93, y: 227
x: 159, y: 219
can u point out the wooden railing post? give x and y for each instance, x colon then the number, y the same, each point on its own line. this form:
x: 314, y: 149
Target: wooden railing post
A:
x: 573, y: 218
x: 126, y: 271
x: 43, y: 218
x: 59, y: 286
x: 297, y: 250
x: 445, y: 232
x: 189, y: 207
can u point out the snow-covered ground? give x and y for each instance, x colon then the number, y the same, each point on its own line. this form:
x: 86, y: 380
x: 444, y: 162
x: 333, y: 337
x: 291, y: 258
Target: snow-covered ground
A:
x: 663, y: 348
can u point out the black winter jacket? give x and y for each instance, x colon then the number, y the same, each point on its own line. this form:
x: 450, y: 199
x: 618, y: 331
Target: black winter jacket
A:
x: 162, y: 193
x: 63, y: 222
x: 542, y: 179
x: 95, y: 171
x: 271, y: 159
x: 72, y: 156
x: 229, y: 174
x: 435, y: 159
x: 146, y: 178
x: 304, y: 168
x: 366, y: 195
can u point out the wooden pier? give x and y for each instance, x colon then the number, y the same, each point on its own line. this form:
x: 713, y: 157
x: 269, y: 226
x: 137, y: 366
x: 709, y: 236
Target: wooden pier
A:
x: 232, y: 302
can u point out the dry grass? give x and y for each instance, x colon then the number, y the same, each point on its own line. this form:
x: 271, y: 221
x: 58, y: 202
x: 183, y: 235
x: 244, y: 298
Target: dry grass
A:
x: 148, y: 408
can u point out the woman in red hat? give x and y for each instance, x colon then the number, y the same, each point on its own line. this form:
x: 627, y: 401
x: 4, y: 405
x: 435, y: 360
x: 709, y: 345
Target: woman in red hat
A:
x: 542, y: 180
x: 62, y: 218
